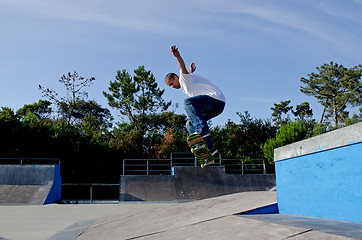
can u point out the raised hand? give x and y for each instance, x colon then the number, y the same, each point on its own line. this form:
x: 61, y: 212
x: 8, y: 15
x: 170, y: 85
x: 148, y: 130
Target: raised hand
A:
x: 174, y: 51
x: 181, y: 63
x: 192, y: 67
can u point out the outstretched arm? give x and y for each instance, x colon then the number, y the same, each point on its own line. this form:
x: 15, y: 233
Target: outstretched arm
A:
x: 177, y: 55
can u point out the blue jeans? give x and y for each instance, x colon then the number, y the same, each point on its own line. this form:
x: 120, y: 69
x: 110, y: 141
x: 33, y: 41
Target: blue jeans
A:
x: 199, y: 110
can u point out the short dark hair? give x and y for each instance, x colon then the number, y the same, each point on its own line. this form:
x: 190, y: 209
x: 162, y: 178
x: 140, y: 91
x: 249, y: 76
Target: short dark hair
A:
x: 170, y: 76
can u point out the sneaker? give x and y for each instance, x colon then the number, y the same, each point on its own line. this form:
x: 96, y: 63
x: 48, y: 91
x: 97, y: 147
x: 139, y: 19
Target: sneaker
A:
x: 209, y: 161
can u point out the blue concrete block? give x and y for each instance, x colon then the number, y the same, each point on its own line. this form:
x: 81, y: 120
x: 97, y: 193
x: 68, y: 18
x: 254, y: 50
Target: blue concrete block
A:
x: 325, y: 184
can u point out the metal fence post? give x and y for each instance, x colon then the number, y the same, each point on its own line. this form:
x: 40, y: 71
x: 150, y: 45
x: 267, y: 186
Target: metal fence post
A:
x: 91, y: 192
x: 124, y: 165
x: 242, y: 166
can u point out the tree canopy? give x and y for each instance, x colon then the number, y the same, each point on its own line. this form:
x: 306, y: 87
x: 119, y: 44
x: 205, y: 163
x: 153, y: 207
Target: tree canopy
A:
x: 136, y: 97
x: 83, y: 133
x: 335, y: 87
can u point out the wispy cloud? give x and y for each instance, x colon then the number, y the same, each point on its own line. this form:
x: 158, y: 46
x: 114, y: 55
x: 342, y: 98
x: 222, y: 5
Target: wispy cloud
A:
x: 358, y: 1
x: 103, y: 12
x: 257, y: 99
x: 158, y: 17
x: 322, y: 24
x: 279, y: 17
x: 7, y: 68
x: 221, y: 21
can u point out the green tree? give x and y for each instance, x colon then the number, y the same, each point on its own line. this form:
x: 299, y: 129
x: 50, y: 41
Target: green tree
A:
x: 288, y: 133
x: 356, y: 117
x: 85, y: 109
x: 7, y: 115
x: 10, y: 127
x: 138, y: 98
x: 303, y: 112
x: 168, y: 134
x: 69, y: 105
x: 40, y: 109
x: 279, y: 110
x: 243, y: 140
x: 335, y: 87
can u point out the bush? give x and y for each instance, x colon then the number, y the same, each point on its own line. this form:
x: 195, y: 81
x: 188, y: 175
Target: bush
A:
x: 288, y: 133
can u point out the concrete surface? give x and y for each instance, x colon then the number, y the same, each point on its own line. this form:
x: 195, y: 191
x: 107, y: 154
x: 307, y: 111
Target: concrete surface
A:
x: 214, y: 218
x: 191, y: 183
x: 176, y: 217
x: 41, y: 222
x: 339, y: 228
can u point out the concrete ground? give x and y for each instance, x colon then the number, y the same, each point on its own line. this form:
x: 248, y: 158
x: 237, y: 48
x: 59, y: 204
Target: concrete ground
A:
x: 40, y: 222
x: 213, y: 218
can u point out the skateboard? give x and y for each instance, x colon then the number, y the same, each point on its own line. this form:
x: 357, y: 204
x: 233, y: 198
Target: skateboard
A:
x: 199, y: 149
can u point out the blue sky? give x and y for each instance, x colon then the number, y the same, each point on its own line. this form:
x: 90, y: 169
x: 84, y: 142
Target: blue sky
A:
x: 256, y: 51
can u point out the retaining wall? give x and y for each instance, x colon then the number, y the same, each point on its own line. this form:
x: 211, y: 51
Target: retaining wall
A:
x: 191, y: 183
x: 322, y: 176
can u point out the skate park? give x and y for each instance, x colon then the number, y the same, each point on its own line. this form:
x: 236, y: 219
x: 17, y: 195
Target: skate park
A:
x: 318, y: 196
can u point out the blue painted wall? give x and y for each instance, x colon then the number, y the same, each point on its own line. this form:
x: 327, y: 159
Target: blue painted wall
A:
x: 55, y: 192
x: 325, y: 184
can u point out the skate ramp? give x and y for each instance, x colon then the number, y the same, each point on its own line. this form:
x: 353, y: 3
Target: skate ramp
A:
x: 213, y: 218
x: 191, y: 183
x: 168, y: 222
x: 30, y: 184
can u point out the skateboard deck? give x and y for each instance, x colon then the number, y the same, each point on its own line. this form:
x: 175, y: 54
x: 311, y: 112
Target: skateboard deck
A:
x: 199, y: 149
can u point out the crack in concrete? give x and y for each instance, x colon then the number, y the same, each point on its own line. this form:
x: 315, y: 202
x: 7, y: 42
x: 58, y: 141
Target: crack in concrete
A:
x: 301, y: 233
x: 171, y: 229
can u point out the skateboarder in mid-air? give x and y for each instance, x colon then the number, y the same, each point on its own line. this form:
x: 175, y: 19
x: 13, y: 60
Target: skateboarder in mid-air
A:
x: 205, y: 101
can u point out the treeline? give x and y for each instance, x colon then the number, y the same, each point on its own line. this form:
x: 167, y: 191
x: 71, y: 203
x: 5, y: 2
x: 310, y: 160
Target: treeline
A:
x: 92, y: 145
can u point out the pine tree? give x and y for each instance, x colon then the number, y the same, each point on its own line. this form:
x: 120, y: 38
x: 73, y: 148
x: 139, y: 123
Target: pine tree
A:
x: 138, y: 98
x: 335, y: 87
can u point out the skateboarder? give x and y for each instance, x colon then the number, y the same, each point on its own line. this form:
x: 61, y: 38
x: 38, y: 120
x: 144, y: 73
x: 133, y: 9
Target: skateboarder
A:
x: 205, y: 100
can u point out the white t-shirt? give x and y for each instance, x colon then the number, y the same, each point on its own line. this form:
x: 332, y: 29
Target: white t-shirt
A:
x: 195, y: 85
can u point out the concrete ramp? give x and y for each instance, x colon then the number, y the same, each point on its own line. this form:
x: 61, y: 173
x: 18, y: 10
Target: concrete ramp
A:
x: 29, y: 184
x: 191, y: 183
x: 213, y: 218
x: 184, y: 221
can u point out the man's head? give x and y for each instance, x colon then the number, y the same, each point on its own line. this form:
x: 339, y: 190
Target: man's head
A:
x: 172, y: 80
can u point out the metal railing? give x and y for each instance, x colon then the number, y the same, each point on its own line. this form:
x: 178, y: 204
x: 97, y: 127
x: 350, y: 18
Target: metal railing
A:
x: 86, y: 191
x: 147, y: 166
x: 165, y: 166
x: 30, y: 161
x: 244, y: 166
